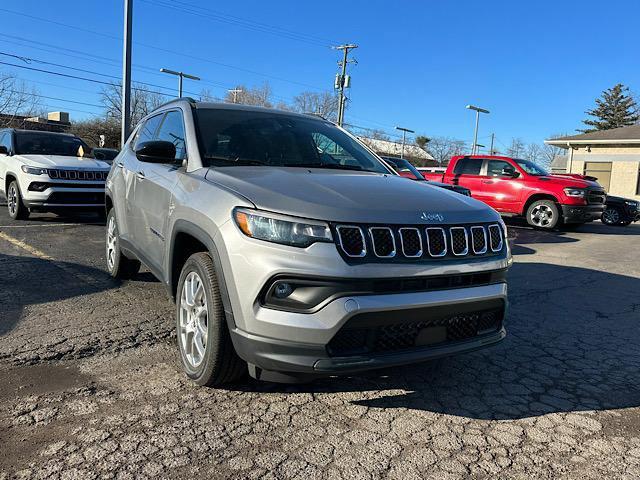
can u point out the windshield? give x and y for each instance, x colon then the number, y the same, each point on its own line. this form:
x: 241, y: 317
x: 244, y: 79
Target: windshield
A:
x: 401, y: 165
x: 244, y: 137
x: 44, y: 143
x: 531, y: 168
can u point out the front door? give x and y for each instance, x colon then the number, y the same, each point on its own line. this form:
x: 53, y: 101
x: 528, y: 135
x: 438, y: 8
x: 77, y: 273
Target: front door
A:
x: 500, y: 190
x: 153, y: 194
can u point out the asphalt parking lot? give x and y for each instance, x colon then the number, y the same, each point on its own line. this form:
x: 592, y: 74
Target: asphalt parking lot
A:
x: 91, y: 387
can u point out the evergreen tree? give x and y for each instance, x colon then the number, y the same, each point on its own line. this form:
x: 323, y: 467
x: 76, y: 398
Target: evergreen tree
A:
x: 616, y: 108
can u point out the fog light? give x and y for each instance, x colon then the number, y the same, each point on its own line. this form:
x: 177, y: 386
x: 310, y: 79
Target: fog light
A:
x: 282, y: 290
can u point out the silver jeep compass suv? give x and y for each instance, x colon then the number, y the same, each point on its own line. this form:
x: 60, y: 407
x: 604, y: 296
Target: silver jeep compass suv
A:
x: 291, y: 249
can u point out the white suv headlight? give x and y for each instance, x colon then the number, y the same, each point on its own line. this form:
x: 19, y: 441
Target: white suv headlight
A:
x: 33, y: 170
x: 276, y: 228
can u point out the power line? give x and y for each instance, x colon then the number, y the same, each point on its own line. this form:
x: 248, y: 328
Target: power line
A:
x: 54, y: 98
x: 241, y: 22
x: 165, y: 50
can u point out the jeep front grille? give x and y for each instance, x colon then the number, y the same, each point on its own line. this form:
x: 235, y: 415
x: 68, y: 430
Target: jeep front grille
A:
x: 63, y: 174
x: 418, y: 242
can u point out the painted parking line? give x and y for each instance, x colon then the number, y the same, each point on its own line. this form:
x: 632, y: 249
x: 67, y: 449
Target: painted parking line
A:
x: 50, y: 225
x: 25, y: 246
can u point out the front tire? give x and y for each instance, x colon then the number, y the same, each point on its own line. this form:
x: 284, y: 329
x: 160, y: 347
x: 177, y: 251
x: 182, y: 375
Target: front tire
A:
x: 118, y: 265
x: 17, y: 209
x: 611, y: 216
x: 204, y: 341
x: 543, y: 214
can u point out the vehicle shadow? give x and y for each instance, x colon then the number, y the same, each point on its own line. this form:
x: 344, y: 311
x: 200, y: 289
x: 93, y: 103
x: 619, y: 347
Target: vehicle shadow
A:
x: 30, y: 281
x: 573, y: 344
x: 61, y: 217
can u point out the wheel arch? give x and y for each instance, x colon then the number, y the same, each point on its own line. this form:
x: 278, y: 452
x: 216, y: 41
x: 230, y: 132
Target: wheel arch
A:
x: 8, y: 178
x: 538, y: 196
x: 186, y: 239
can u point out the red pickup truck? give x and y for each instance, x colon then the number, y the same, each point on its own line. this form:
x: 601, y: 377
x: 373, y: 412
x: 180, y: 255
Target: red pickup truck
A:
x: 520, y: 187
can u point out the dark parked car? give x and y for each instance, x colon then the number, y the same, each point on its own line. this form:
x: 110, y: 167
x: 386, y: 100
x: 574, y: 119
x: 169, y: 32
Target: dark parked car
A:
x: 620, y: 211
x: 405, y: 168
x: 105, y: 154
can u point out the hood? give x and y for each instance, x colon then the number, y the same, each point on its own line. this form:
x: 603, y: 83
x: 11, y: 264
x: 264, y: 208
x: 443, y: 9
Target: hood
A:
x: 63, y: 161
x: 571, y: 180
x: 345, y: 196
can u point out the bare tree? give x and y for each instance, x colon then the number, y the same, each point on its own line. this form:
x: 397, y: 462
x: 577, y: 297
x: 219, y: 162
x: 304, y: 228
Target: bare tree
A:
x: 517, y: 148
x: 324, y: 104
x: 16, y: 99
x: 259, y: 96
x: 91, y: 130
x: 143, y: 101
x: 207, y: 96
x: 421, y: 141
x: 443, y: 148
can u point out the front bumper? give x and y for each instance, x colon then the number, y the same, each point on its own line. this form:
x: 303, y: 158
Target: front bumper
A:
x: 63, y: 196
x: 394, y: 329
x: 581, y: 213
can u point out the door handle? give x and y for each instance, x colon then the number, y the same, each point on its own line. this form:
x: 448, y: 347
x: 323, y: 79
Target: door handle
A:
x: 487, y: 181
x: 119, y: 164
x: 140, y: 175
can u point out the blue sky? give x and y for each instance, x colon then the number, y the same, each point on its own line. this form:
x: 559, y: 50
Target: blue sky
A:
x: 536, y: 65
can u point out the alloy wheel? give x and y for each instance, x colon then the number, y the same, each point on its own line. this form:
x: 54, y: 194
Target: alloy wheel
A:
x: 542, y: 215
x: 194, y: 317
x: 112, y: 240
x: 12, y: 200
x: 611, y: 216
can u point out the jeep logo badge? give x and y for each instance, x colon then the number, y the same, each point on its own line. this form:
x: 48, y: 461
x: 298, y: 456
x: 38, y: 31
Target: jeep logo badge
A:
x: 432, y: 217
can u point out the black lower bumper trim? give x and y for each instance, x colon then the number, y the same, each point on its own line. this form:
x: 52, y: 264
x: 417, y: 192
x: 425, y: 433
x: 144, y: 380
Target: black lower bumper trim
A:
x: 581, y: 213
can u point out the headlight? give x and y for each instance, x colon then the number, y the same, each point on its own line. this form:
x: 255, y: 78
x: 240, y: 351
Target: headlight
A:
x: 574, y: 192
x: 276, y: 228
x: 33, y: 170
x: 631, y: 203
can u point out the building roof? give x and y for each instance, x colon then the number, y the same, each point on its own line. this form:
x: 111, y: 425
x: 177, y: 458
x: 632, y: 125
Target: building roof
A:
x: 393, y: 149
x: 619, y: 136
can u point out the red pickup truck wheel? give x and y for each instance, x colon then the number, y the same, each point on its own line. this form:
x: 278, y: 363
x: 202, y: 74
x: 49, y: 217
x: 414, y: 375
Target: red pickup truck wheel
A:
x: 543, y: 214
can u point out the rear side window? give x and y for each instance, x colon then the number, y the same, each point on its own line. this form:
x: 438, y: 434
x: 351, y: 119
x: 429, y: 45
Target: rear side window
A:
x: 468, y: 166
x: 5, y: 140
x: 148, y: 130
x: 172, y: 130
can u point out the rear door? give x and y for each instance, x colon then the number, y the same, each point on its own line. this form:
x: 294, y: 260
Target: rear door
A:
x: 500, y: 191
x: 154, y: 186
x: 467, y: 174
x: 5, y: 140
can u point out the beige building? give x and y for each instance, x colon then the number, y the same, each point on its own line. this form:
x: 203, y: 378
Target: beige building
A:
x: 612, y: 156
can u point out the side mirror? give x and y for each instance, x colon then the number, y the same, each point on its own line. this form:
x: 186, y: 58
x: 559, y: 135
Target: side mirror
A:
x: 3, y: 150
x: 509, y: 172
x: 156, y: 151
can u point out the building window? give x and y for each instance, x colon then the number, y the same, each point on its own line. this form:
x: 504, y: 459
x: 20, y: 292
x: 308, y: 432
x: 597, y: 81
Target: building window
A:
x: 601, y: 171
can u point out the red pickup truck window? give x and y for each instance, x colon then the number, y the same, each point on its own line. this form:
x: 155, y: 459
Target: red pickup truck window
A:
x: 468, y: 166
x: 495, y: 167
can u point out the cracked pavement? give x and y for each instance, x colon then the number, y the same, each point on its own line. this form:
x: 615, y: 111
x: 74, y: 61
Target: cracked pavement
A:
x: 91, y: 386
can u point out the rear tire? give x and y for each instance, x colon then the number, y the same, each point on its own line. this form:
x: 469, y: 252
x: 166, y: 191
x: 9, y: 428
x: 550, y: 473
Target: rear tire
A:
x: 118, y: 265
x: 206, y: 351
x: 543, y: 214
x: 17, y: 209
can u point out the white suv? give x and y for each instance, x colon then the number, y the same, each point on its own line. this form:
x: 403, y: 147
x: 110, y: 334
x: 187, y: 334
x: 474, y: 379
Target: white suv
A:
x: 45, y: 171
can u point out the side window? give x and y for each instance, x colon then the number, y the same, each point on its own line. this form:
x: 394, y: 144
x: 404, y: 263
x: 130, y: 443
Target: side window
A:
x: 172, y: 130
x: 147, y: 130
x: 468, y: 166
x: 495, y: 167
x: 5, y: 140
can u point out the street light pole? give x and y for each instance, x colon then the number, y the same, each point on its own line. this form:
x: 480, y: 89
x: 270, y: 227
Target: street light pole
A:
x: 478, y: 111
x: 404, y: 133
x: 180, y: 76
x: 126, y: 73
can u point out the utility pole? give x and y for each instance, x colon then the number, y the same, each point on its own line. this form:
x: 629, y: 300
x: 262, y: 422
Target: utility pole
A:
x: 491, y: 152
x: 180, y: 76
x: 478, y: 111
x: 342, y: 79
x: 235, y: 92
x: 126, y: 73
x: 404, y: 133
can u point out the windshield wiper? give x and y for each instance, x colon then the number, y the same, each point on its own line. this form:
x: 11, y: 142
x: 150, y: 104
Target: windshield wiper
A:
x: 335, y: 166
x: 240, y: 162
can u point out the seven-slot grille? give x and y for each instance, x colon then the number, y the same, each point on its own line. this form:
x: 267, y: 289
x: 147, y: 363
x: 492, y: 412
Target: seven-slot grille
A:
x: 62, y: 174
x: 419, y: 242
